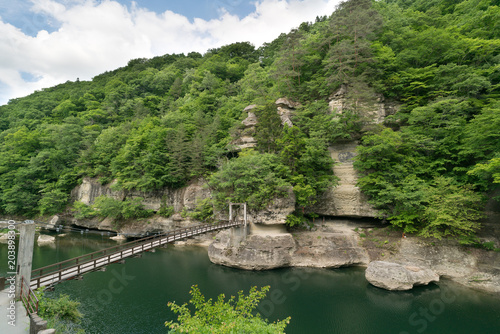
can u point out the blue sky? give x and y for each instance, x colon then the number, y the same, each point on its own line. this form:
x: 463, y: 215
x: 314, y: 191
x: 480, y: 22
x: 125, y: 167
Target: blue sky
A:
x: 47, y: 42
x: 18, y: 12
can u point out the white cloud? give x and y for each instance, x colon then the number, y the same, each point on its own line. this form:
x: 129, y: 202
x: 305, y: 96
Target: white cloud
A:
x: 97, y: 36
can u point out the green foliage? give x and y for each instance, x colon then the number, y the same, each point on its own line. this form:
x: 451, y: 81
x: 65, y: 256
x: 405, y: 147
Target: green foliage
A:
x: 252, y: 178
x: 310, y: 164
x: 129, y: 208
x: 108, y: 207
x: 82, y: 211
x: 52, y: 201
x: 220, y: 316
x: 490, y: 245
x: 294, y: 220
x: 60, y: 313
x: 268, y: 128
x: 410, y: 194
x: 133, y: 208
x: 452, y: 210
x: 204, y: 211
x: 166, y: 211
x: 164, y: 121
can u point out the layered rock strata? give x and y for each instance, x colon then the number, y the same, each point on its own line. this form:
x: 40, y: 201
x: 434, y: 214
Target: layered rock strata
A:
x: 270, y: 246
x: 187, y: 197
x: 245, y: 138
x: 346, y: 199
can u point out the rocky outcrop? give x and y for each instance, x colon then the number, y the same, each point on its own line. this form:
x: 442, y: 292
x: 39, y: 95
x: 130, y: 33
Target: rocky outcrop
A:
x: 330, y: 247
x: 346, y: 199
x: 255, y: 252
x: 44, y: 239
x: 270, y: 246
x: 184, y: 198
x: 187, y: 197
x: 286, y: 108
x: 264, y: 244
x: 393, y: 276
x: 244, y: 139
x: 471, y: 267
x: 374, y: 111
x: 274, y: 213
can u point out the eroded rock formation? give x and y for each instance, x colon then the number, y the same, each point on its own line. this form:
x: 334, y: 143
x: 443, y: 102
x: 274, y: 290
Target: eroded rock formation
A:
x: 270, y: 246
x: 374, y: 111
x: 393, y: 276
x: 244, y: 139
x: 186, y: 197
x: 346, y: 199
x: 254, y: 252
x: 286, y: 108
x: 333, y: 245
x: 44, y: 239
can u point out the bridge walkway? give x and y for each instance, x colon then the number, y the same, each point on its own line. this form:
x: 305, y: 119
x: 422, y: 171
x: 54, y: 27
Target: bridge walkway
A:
x: 68, y: 269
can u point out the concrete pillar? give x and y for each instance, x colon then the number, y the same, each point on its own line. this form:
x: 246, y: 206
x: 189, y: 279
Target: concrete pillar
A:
x: 25, y: 253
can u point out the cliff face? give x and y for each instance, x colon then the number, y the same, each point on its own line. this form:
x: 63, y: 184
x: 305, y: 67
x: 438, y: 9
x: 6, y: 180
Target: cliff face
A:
x: 186, y: 197
x: 344, y: 200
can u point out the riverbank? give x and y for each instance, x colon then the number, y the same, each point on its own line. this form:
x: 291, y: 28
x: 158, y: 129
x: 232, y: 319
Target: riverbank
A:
x: 342, y: 243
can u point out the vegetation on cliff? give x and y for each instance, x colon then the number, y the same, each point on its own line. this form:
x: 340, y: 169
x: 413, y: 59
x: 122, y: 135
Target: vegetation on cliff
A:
x: 161, y: 122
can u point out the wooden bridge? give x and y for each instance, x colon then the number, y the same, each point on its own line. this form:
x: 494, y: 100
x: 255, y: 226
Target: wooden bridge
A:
x: 57, y: 272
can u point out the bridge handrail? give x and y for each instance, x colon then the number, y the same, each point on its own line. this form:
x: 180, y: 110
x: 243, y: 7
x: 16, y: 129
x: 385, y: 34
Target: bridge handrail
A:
x: 56, y: 267
x: 28, y: 297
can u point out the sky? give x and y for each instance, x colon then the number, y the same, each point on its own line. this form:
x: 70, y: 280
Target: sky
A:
x: 47, y: 42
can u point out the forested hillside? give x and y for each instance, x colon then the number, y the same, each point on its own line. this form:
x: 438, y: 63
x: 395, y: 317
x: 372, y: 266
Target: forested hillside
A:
x: 164, y: 121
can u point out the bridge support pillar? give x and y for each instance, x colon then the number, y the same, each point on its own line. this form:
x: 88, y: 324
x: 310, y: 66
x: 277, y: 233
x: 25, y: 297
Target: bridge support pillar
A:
x: 25, y: 253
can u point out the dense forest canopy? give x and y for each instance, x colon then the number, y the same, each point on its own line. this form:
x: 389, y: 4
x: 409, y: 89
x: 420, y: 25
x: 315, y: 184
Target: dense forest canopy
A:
x: 164, y: 121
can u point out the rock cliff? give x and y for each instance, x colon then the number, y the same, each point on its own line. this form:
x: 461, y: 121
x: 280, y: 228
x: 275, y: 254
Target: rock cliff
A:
x: 344, y: 200
x: 187, y: 197
x: 179, y: 199
x: 255, y: 252
x: 374, y: 111
x: 244, y: 138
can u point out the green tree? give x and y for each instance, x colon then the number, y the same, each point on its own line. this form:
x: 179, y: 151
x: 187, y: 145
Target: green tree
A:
x: 268, y: 128
x: 287, y: 67
x: 252, y: 178
x: 108, y: 207
x: 453, y: 210
x: 220, y: 316
x: 352, y: 27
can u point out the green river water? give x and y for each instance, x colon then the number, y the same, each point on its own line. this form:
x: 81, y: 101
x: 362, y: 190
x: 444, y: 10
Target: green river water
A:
x: 133, y: 297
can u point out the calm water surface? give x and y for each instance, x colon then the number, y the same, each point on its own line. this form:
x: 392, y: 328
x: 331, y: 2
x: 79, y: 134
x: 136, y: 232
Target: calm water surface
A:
x: 133, y: 297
